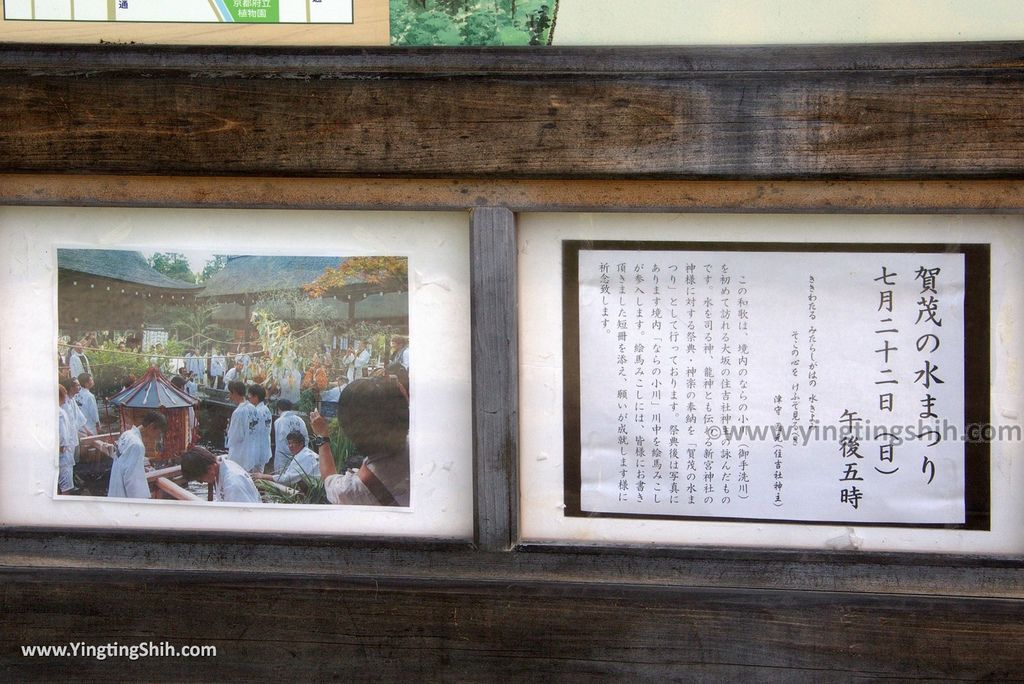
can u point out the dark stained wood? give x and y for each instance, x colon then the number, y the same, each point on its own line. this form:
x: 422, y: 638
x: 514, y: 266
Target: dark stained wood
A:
x: 495, y: 372
x: 919, y: 196
x: 306, y: 630
x: 333, y: 559
x: 878, y: 112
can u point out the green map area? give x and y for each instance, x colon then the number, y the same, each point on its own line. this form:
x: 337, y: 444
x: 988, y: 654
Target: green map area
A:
x: 473, y: 22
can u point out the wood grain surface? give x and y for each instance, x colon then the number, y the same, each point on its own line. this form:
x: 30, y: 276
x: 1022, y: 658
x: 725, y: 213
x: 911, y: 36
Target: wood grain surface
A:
x: 947, y: 111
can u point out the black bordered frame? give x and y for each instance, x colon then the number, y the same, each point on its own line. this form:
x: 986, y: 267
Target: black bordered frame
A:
x: 976, y: 364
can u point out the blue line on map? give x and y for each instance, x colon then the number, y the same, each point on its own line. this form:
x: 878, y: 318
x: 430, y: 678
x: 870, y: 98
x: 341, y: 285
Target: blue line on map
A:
x: 224, y: 10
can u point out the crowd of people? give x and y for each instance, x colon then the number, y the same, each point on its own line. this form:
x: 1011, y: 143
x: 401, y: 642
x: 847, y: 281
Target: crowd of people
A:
x: 371, y: 404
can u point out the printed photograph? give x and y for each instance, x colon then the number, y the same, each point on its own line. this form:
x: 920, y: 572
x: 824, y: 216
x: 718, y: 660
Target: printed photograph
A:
x: 201, y: 377
x: 473, y: 22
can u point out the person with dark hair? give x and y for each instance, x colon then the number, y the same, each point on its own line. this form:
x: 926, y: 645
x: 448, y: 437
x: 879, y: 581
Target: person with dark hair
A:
x: 231, y: 482
x: 242, y: 443
x: 303, y: 463
x: 78, y: 362
x: 235, y: 374
x: 87, y: 403
x: 374, y: 414
x: 72, y: 408
x: 257, y: 396
x: 288, y: 421
x: 68, y: 444
x: 400, y: 351
x: 128, y: 473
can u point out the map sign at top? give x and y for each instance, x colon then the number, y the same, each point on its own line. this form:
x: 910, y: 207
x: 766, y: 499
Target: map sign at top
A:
x: 214, y: 11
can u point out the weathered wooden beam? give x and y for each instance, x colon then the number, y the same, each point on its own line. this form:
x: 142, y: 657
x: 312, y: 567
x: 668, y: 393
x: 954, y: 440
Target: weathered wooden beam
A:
x: 944, y: 111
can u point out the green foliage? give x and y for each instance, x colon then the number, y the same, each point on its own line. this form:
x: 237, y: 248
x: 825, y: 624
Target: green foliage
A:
x: 481, y: 28
x: 341, y: 447
x: 307, y: 402
x: 537, y: 23
x: 172, y: 265
x: 195, y: 325
x: 110, y: 366
x: 212, y: 266
x: 432, y: 27
x: 472, y: 22
x: 309, y: 490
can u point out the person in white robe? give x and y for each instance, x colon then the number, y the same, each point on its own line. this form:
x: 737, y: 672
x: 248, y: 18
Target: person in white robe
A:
x: 87, y: 402
x: 218, y: 364
x: 78, y: 362
x: 235, y: 374
x: 128, y: 472
x: 303, y: 465
x: 191, y: 387
x: 287, y: 422
x: 257, y: 396
x: 231, y: 482
x: 72, y: 408
x: 67, y: 445
x: 242, y: 443
x: 195, y: 365
x: 243, y: 358
x: 362, y: 360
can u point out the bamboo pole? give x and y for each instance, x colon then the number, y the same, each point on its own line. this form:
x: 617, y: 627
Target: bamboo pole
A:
x: 176, y: 492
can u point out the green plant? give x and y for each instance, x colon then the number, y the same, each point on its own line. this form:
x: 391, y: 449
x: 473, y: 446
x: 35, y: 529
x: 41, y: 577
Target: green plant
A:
x: 110, y: 365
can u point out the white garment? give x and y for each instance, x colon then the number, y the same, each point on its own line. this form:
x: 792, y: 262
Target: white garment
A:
x: 392, y: 471
x: 233, y: 375
x: 128, y: 473
x: 76, y: 415
x: 402, y: 357
x: 234, y: 483
x: 346, y: 363
x: 86, y: 401
x: 191, y: 389
x: 77, y: 364
x: 291, y: 385
x: 288, y: 422
x: 244, y: 358
x: 361, y: 362
x: 67, y: 445
x: 263, y: 428
x: 303, y: 465
x: 217, y: 366
x: 243, y: 444
x: 195, y: 364
x: 332, y: 395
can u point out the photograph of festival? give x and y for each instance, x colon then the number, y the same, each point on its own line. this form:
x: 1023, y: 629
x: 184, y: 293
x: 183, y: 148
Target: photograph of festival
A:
x: 193, y: 376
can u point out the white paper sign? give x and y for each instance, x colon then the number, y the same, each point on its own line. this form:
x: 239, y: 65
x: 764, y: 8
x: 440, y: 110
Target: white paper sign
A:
x: 772, y: 383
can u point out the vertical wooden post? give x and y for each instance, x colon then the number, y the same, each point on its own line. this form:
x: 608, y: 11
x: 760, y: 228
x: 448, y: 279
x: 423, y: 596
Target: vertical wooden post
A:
x: 495, y: 352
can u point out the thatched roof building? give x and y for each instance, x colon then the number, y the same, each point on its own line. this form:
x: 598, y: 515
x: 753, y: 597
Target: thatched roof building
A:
x: 246, y: 280
x: 106, y: 289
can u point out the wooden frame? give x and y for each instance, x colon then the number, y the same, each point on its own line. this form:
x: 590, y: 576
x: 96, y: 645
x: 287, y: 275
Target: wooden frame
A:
x: 860, y: 129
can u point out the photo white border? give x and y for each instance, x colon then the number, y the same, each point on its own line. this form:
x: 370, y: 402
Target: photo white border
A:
x: 437, y: 246
x: 540, y: 378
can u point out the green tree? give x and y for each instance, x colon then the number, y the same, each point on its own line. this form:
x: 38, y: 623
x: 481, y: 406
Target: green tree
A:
x: 432, y: 27
x: 212, y: 266
x: 481, y: 28
x: 537, y: 23
x: 172, y: 265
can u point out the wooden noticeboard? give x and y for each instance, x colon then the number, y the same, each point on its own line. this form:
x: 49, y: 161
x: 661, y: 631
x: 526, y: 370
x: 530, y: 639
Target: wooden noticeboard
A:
x: 875, y: 129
